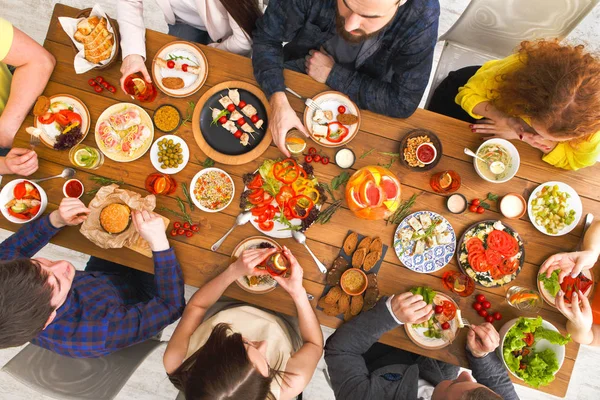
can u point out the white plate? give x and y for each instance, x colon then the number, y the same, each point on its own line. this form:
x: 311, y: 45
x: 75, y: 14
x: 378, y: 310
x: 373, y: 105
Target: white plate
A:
x: 50, y: 131
x: 417, y: 336
x: 574, y: 204
x: 193, y: 187
x: 330, y: 101
x: 192, y: 82
x: 515, y: 160
x: 6, y: 195
x: 154, y: 154
x: 250, y: 243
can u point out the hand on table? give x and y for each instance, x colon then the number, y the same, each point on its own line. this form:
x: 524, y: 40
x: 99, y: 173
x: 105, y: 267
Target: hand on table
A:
x: 131, y: 64
x: 70, y: 212
x: 19, y: 161
x: 318, y: 65
x: 482, y: 339
x: 151, y: 228
x: 410, y: 308
x: 293, y: 283
x: 248, y: 260
x: 283, y: 119
x: 580, y: 315
x: 569, y: 263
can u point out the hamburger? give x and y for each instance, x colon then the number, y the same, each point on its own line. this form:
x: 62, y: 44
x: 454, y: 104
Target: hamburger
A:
x: 115, y: 218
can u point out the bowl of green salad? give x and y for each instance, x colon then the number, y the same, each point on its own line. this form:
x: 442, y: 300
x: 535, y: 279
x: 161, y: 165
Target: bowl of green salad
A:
x: 532, y: 349
x: 554, y: 208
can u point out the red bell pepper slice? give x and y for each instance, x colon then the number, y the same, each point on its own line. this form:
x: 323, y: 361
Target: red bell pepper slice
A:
x: 336, y: 132
x: 300, y: 206
x: 20, y: 191
x: 256, y: 211
x: 14, y: 214
x: 285, y: 194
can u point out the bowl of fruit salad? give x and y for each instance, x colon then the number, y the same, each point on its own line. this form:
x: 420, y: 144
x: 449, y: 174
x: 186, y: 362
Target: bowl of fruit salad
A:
x: 22, y: 201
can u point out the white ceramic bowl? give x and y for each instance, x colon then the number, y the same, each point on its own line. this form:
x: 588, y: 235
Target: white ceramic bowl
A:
x: 154, y: 154
x: 511, y: 170
x: 193, y: 186
x: 559, y: 350
x: 69, y: 181
x: 574, y: 202
x: 6, y: 195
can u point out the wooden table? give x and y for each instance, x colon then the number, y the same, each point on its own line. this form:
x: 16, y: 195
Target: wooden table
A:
x: 378, y: 132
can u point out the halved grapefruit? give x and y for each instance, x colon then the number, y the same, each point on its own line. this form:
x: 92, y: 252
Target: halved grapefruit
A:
x: 371, y: 194
x: 353, y: 199
x: 390, y: 187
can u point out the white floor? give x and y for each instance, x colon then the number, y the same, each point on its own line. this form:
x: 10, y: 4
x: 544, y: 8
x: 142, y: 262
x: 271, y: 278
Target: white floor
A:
x: 149, y: 382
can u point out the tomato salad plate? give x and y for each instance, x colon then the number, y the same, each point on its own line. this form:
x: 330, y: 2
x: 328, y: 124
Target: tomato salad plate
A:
x: 491, y: 253
x: 22, y: 201
x: 65, y: 124
x: 549, y: 287
x: 260, y: 284
x: 335, y: 122
x: 425, y: 242
x: 282, y: 196
x: 179, y: 69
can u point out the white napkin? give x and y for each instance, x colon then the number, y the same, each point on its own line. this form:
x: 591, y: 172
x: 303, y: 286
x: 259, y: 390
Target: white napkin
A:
x: 69, y: 25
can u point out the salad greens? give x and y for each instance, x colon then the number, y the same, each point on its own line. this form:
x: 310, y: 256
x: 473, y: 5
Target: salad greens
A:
x: 535, y: 368
x: 550, y: 284
x: 427, y: 293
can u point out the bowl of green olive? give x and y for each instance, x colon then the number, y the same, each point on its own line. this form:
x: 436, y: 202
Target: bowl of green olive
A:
x: 169, y: 154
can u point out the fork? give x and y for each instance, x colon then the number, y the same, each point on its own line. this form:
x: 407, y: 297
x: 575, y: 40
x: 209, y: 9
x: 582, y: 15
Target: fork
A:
x: 34, y: 141
x: 308, y: 101
x: 462, y: 321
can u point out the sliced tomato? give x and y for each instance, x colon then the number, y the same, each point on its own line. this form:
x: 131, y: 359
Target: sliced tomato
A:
x: 73, y: 117
x: 256, y: 194
x: 449, y: 310
x: 262, y: 218
x: 62, y: 118
x: 529, y: 339
x: 474, y: 244
x: 271, y: 211
x: 509, y: 266
x: 285, y: 194
x: 33, y: 211
x: 46, y: 119
x: 266, y: 226
x: 256, y: 182
x: 478, y: 262
x: 256, y: 211
x: 503, y: 242
x: 495, y: 272
x: 493, y: 257
x: 20, y: 190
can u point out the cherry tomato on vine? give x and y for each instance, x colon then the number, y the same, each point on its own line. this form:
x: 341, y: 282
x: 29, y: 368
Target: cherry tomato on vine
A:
x: 92, y: 82
x: 308, y: 159
x: 317, y: 158
x: 98, y: 89
x: 195, y: 228
x: 473, y: 208
x: 312, y: 150
x: 174, y: 232
x: 489, y: 319
x: 480, y: 210
x: 99, y: 79
x: 176, y: 225
x: 325, y: 160
x: 189, y: 234
x: 480, y: 298
x: 475, y: 202
x: 186, y: 225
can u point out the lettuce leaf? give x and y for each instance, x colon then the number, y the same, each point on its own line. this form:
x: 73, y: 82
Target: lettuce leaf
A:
x: 540, y: 369
x: 551, y: 336
x: 550, y: 284
x: 427, y: 293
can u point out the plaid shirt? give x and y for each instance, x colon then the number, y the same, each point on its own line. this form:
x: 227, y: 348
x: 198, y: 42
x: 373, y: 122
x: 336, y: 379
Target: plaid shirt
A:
x: 391, y: 75
x: 102, y: 313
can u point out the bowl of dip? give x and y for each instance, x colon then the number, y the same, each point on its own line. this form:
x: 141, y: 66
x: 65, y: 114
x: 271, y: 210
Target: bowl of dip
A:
x: 73, y: 188
x: 513, y: 206
x: 353, y: 282
x: 456, y: 203
x: 345, y: 158
x: 426, y: 153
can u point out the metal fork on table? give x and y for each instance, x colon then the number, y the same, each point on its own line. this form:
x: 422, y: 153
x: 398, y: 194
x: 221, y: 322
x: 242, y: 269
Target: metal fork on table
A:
x: 34, y: 137
x: 308, y: 101
x: 463, y: 321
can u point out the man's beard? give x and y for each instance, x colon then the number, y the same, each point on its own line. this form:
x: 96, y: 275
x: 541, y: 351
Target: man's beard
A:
x: 358, y: 36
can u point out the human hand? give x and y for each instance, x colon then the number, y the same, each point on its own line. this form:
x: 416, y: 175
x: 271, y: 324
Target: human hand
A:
x: 535, y: 140
x: 283, y: 119
x: 318, y: 65
x: 70, y: 212
x: 509, y: 128
x: 293, y: 283
x: 569, y: 263
x: 410, y: 308
x: 482, y: 339
x: 248, y: 260
x: 19, y: 161
x: 131, y: 64
x: 151, y: 228
x: 580, y: 315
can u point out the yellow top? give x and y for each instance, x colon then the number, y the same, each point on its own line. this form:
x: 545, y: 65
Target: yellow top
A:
x: 6, y: 38
x: 572, y: 155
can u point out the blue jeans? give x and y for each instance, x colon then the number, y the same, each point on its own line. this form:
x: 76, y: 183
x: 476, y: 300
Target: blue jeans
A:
x: 189, y: 33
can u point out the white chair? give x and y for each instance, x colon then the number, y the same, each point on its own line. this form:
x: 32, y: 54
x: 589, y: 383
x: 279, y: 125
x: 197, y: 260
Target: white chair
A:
x: 492, y: 29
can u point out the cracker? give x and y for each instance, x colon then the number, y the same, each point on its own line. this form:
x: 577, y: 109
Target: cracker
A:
x: 350, y: 243
x: 376, y: 244
x: 42, y: 104
x: 371, y: 259
x: 331, y: 310
x: 333, y: 295
x: 344, y: 303
x: 356, y: 305
x: 365, y: 243
x: 359, y: 257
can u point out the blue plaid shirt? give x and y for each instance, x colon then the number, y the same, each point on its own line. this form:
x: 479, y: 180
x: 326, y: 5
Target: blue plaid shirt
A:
x: 102, y: 313
x: 390, y: 76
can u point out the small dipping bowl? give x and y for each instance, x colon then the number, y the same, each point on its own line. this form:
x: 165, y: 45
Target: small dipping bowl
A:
x: 345, y: 158
x: 456, y: 203
x: 73, y: 188
x: 513, y: 206
x: 428, y: 147
x: 164, y: 108
x: 358, y: 274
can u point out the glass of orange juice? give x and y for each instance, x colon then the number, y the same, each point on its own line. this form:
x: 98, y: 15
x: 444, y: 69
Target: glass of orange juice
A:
x: 524, y: 299
x: 295, y: 141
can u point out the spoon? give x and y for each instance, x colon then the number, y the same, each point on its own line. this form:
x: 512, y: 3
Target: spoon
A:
x: 241, y: 219
x: 66, y: 173
x: 496, y: 167
x: 301, y: 238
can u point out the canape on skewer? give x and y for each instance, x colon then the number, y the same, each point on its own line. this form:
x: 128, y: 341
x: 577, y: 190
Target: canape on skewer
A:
x: 179, y: 66
x: 250, y: 111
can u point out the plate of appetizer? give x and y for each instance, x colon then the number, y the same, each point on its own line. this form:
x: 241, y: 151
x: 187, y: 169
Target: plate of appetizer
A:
x: 282, y: 196
x: 441, y: 329
x: 532, y: 350
x: 255, y: 284
x: 420, y: 150
x: 22, y: 201
x: 336, y: 122
x: 169, y: 154
x: 425, y: 242
x: 554, y: 208
x: 124, y: 132
x: 63, y: 121
x: 212, y: 190
x: 491, y: 253
x: 549, y: 287
x: 179, y: 69
x: 230, y: 123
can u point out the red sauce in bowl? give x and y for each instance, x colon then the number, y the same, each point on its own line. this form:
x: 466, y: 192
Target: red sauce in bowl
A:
x: 73, y: 188
x: 426, y: 153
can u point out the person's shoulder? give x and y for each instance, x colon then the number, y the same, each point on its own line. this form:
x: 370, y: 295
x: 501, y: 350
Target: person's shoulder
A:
x: 424, y: 8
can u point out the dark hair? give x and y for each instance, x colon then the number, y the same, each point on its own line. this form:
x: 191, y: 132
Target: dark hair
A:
x: 481, y: 393
x: 244, y: 12
x: 25, y: 296
x: 221, y: 370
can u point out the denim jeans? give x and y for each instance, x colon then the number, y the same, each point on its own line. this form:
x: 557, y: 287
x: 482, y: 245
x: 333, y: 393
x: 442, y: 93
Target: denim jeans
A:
x: 189, y: 33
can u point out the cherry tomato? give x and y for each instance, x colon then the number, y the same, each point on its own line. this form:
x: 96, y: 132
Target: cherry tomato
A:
x: 176, y: 225
x: 222, y: 120
x: 486, y: 304
x: 92, y: 82
x: 317, y: 158
x: 241, y: 121
x: 99, y: 79
x: 312, y: 150
x: 238, y: 134
x: 473, y: 209
x: 186, y: 225
x: 231, y: 107
x: 184, y: 67
x: 522, y: 366
x: 170, y: 64
x: 308, y: 159
x: 497, y: 316
x: 98, y: 89
x: 477, y: 306
x: 445, y: 325
x: 482, y: 313
x: 325, y: 160
x: 341, y: 109
x: 112, y: 89
x: 480, y: 298
x: 174, y: 232
x: 480, y: 210
x: 195, y: 228
x: 439, y: 309
x: 105, y: 84
x: 180, y: 231
x: 242, y: 104
x: 489, y: 319
x: 475, y: 202
x: 254, y: 118
x: 189, y: 234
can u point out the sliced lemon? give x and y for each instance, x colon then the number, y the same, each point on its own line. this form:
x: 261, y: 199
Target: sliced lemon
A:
x: 140, y: 85
x: 279, y: 262
x: 445, y: 180
x: 83, y: 158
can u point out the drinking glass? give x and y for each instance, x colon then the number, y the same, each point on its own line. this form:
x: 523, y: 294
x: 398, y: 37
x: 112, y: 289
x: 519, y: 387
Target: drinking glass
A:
x: 85, y: 156
x: 524, y: 299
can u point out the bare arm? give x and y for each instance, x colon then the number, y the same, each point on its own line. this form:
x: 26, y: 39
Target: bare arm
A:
x: 34, y: 65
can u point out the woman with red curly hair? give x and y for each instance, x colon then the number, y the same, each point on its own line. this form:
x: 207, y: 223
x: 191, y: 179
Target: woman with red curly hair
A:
x: 546, y: 94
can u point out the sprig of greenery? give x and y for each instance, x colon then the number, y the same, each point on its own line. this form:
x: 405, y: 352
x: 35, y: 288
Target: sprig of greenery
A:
x: 172, y: 57
x: 183, y: 216
x: 365, y: 154
x: 221, y: 114
x: 388, y: 165
x: 187, y: 195
x: 284, y: 221
x: 402, y: 211
x: 491, y: 197
x: 340, y: 180
x: 209, y: 162
x: 103, y: 181
x: 190, y: 113
x: 326, y: 214
x: 328, y: 190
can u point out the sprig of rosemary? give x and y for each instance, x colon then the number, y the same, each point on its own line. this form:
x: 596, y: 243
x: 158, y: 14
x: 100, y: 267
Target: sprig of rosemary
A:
x: 102, y: 181
x: 402, y: 211
x: 393, y: 158
x: 190, y: 113
x: 328, y: 190
x: 187, y: 195
x: 221, y: 114
x: 365, y: 154
x: 209, y: 162
x: 326, y: 214
x: 183, y: 216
